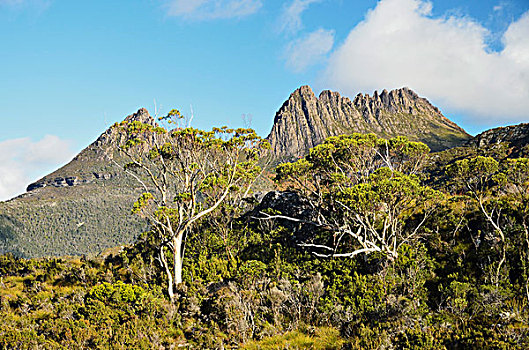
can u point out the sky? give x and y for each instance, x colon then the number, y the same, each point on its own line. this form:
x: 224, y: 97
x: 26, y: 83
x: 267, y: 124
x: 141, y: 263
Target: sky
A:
x: 70, y: 69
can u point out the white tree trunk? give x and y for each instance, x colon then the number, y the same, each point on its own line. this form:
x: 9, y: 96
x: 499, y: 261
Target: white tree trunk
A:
x: 178, y: 258
x: 170, y: 284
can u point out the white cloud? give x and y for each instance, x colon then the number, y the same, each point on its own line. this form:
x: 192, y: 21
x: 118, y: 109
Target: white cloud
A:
x: 212, y: 9
x: 309, y: 50
x: 290, y: 19
x: 446, y: 59
x: 303, y: 51
x: 23, y: 161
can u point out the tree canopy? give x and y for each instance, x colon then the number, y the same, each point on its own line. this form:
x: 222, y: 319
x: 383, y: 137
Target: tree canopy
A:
x: 187, y: 174
x: 364, y: 189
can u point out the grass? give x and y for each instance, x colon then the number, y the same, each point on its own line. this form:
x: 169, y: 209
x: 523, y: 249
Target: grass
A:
x: 322, y: 338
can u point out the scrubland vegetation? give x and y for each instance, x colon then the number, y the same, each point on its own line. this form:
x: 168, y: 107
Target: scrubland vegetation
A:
x: 372, y: 254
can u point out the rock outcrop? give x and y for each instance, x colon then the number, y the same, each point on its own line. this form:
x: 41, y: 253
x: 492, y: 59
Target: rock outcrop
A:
x: 305, y: 120
x: 288, y: 205
x: 514, y: 135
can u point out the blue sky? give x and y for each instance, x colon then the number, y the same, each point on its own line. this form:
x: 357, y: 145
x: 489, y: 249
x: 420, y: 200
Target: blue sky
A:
x: 69, y: 69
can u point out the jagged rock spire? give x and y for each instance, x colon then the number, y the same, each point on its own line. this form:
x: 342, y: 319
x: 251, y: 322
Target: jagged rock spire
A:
x: 304, y: 120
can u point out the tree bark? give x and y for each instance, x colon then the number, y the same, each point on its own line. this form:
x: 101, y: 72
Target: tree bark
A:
x: 177, y: 257
x: 170, y: 284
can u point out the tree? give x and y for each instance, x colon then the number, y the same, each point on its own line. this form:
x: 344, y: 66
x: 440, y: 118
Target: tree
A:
x: 187, y: 174
x: 365, y: 192
x: 514, y: 180
x: 476, y: 177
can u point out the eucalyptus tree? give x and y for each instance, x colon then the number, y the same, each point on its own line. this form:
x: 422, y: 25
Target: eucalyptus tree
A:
x: 515, y: 181
x: 187, y: 174
x: 476, y: 177
x: 365, y: 192
x: 497, y: 188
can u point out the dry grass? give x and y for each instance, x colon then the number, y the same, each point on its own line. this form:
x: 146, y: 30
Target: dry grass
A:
x: 322, y: 338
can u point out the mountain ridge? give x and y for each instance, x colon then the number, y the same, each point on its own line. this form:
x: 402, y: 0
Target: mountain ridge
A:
x: 515, y: 135
x: 304, y: 120
x: 81, y: 208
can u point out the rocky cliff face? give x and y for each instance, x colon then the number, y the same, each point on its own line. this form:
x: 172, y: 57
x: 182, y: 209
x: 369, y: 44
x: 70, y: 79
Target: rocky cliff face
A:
x: 305, y: 120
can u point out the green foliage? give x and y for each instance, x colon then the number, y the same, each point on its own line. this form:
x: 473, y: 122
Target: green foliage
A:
x: 118, y: 293
x: 365, y: 192
x: 474, y: 173
x: 142, y: 202
x: 42, y: 306
x: 249, y: 283
x: 352, y: 158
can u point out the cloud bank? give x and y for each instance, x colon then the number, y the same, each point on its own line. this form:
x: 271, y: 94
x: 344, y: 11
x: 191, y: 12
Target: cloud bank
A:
x: 446, y: 59
x: 212, y: 9
x: 23, y: 161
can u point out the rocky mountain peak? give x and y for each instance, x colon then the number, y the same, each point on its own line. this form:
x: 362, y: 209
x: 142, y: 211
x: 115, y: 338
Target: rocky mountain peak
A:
x: 142, y: 115
x: 402, y: 100
x: 113, y: 137
x: 300, y: 97
x: 304, y: 120
x: 95, y: 162
x: 304, y: 90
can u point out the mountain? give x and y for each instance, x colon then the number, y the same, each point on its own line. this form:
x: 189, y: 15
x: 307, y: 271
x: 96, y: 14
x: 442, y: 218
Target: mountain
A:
x: 80, y: 209
x: 499, y: 143
x: 85, y: 206
x: 95, y: 162
x: 305, y: 120
x: 515, y: 137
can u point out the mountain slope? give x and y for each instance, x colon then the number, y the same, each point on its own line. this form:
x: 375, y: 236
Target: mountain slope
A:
x: 95, y: 162
x: 499, y: 143
x: 515, y: 136
x: 305, y: 120
x: 80, y: 209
